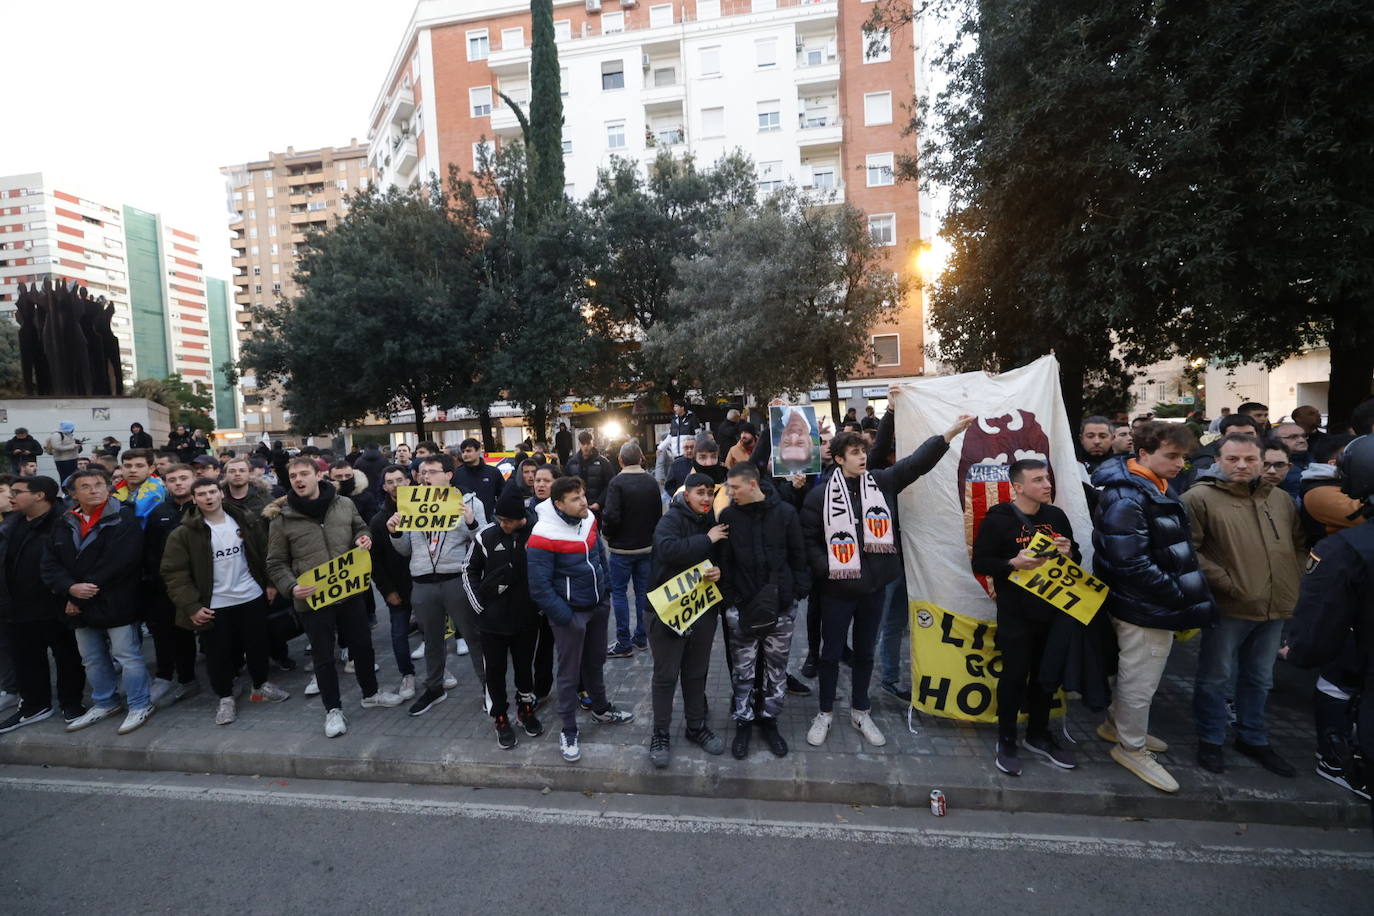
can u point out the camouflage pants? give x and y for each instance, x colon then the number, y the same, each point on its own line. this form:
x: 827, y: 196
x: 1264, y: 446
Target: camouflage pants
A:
x: 747, y: 655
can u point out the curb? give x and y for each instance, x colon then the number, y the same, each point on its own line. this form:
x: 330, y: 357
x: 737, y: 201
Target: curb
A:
x: 1242, y: 796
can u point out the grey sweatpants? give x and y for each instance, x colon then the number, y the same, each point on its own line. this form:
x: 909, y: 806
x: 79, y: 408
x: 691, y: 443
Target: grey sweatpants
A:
x: 747, y: 654
x: 580, y: 652
x: 685, y: 659
x: 433, y: 603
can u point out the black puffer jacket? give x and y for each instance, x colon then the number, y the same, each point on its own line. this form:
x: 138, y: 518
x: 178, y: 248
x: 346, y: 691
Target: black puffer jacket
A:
x: 23, y: 596
x: 1143, y: 551
x: 765, y: 545
x: 110, y: 556
x: 596, y: 473
x: 878, y: 569
x: 680, y: 541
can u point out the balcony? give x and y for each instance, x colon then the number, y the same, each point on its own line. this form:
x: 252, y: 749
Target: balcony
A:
x: 402, y: 106
x: 516, y: 60
x: 828, y: 71
x: 404, y: 154
x: 823, y: 195
x: 664, y: 137
x: 819, y: 130
x: 657, y: 95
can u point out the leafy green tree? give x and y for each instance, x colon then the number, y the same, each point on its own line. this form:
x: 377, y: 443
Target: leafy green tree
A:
x: 187, y: 403
x: 1134, y: 181
x: 780, y: 296
x: 11, y: 371
x: 544, y: 132
x: 643, y: 227
x: 382, y: 320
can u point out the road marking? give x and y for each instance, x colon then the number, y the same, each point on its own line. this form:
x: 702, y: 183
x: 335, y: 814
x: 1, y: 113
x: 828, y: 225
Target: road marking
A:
x: 921, y: 837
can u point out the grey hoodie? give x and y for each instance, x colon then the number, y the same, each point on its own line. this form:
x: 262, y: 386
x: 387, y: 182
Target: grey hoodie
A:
x: 450, y: 554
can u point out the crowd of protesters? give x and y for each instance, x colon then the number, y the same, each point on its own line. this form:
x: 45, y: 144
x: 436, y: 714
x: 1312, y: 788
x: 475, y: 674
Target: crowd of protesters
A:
x: 1193, y: 529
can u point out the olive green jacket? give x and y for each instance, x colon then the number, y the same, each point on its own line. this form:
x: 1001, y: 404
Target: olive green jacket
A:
x: 297, y: 543
x: 188, y: 563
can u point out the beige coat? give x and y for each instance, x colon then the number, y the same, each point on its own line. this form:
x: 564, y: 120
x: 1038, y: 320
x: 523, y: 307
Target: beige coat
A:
x: 1249, y: 544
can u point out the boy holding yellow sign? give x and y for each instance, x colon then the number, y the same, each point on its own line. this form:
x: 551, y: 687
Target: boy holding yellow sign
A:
x: 1001, y: 548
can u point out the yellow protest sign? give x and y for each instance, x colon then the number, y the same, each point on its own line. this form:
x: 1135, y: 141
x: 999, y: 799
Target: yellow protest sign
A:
x: 429, y: 508
x: 1061, y: 582
x: 346, y: 575
x: 681, y: 600
x: 955, y: 665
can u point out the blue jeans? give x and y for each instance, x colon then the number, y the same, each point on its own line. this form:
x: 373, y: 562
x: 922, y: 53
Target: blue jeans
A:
x: 891, y: 633
x: 100, y: 649
x: 1245, y: 649
x: 624, y: 567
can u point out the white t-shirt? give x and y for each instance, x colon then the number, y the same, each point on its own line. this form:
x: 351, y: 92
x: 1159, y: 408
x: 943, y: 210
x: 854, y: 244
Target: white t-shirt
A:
x: 234, y: 584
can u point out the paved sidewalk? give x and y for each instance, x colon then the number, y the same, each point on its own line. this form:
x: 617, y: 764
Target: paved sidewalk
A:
x: 455, y: 743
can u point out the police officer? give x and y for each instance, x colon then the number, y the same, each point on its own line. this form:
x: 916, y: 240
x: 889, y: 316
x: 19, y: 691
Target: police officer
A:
x: 1336, y: 605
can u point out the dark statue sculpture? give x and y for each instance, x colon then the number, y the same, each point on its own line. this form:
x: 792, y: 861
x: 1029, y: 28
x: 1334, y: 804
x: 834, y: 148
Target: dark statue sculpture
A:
x: 67, y: 345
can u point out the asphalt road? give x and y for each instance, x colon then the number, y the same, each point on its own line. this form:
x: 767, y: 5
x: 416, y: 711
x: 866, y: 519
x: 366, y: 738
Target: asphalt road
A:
x: 87, y: 841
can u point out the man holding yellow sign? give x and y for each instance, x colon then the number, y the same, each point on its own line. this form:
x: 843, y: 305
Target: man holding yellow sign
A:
x: 1025, y: 536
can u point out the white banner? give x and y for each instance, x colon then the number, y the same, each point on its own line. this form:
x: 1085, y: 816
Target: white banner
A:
x: 1020, y: 415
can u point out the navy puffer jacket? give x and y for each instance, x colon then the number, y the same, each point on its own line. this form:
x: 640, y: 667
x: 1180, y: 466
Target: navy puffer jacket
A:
x: 1143, y: 551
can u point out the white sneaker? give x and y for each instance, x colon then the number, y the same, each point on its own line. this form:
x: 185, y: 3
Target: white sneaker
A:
x: 269, y: 693
x: 91, y: 716
x: 449, y: 680
x: 7, y: 700
x: 381, y: 698
x: 418, y: 651
x: 407, y: 691
x: 349, y: 667
x: 226, y: 712
x: 135, y: 718
x: 334, y: 723
x: 160, y: 692
x: 462, y: 647
x: 486, y: 701
x: 313, y: 688
x: 820, y: 728
x: 861, y: 720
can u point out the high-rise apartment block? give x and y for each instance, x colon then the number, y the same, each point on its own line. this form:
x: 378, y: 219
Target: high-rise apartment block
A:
x: 151, y: 271
x: 273, y: 202
x: 802, y: 87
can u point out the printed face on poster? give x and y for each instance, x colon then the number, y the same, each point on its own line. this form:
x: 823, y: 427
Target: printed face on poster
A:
x: 796, y: 440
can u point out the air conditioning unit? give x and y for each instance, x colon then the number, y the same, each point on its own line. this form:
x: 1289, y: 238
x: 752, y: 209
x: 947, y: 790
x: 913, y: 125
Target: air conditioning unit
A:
x: 801, y: 46
x: 593, y: 6
x: 644, y: 61
x: 628, y: 4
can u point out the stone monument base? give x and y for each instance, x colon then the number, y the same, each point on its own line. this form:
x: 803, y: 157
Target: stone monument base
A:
x: 95, y: 418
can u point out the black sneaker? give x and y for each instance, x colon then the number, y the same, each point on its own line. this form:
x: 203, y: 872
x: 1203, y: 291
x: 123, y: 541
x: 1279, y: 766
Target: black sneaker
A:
x: 585, y: 699
x: 776, y: 743
x: 796, y: 688
x: 707, y: 740
x: 1007, y: 760
x: 658, y: 750
x: 620, y: 650
x: 1268, y: 758
x: 809, y: 667
x: 72, y: 713
x: 427, y: 701
x: 505, y: 735
x: 524, y: 712
x: 17, y: 719
x: 740, y: 746
x: 1047, y: 747
x: 612, y: 716
x: 900, y: 693
x: 641, y: 643
x: 285, y: 663
x: 1347, y: 777
x: 1210, y: 757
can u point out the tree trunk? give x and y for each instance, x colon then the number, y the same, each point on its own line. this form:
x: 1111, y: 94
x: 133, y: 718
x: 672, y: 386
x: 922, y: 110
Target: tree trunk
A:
x: 417, y: 404
x: 1352, y: 363
x: 539, y: 419
x: 488, y: 440
x: 832, y: 381
x: 1071, y: 371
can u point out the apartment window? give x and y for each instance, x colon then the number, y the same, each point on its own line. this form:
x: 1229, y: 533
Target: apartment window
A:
x: 879, y: 52
x: 612, y: 74
x: 883, y: 228
x: 562, y: 30
x: 257, y: 271
x: 708, y: 9
x: 341, y: 184
x: 712, y: 122
x: 770, y: 176
x: 665, y: 76
x: 479, y: 45
x: 252, y: 232
x: 272, y: 229
x: 267, y: 192
x: 274, y: 249
x: 266, y: 174
x: 276, y: 289
x: 257, y: 288
x: 271, y: 212
x: 877, y: 108
x: 563, y: 81
x: 887, y: 350
x: 660, y: 15
x: 710, y: 61
x: 250, y: 198
x: 567, y: 147
x: 823, y: 176
x: 612, y: 23
x: 480, y: 97
x: 615, y: 135
x: 766, y: 52
x: 879, y: 167
x: 482, y: 154
x: 770, y: 116
x: 276, y: 268
x: 512, y: 39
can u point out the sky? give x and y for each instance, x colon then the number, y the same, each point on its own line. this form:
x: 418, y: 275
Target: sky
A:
x: 140, y: 102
